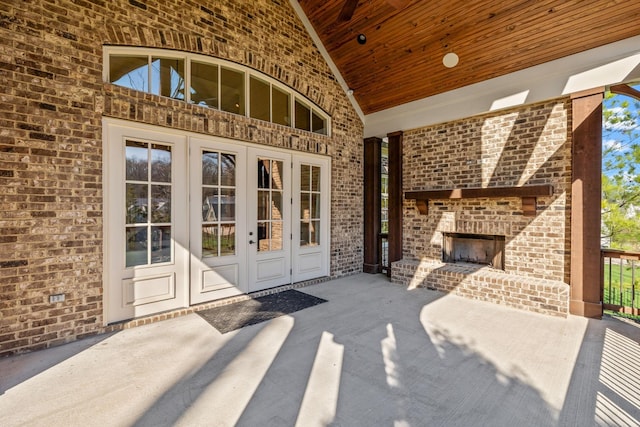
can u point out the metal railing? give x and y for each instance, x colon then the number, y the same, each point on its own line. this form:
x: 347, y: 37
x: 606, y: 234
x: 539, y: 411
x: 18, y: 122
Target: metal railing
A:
x: 383, y: 250
x: 621, y: 281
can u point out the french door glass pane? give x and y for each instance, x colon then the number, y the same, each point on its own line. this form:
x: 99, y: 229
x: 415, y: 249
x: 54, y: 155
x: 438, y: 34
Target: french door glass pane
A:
x: 148, y: 203
x: 209, y: 168
x: 276, y: 235
x: 270, y: 205
x: 310, y: 205
x: 161, y: 203
x: 137, y: 203
x: 263, y: 205
x: 227, y: 204
x: 228, y: 170
x: 209, y: 240
x: 218, y: 204
x: 204, y: 84
x: 137, y: 161
x: 136, y: 246
x: 264, y: 171
x: 160, y: 163
x: 305, y: 177
x: 305, y: 206
x: 160, y: 244
x: 276, y: 205
x: 227, y: 239
x: 304, y: 233
x: 315, y: 206
x: 314, y: 235
x: 276, y: 176
x: 315, y: 178
x: 209, y: 204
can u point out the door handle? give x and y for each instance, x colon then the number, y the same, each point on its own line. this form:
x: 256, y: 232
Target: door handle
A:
x: 251, y: 242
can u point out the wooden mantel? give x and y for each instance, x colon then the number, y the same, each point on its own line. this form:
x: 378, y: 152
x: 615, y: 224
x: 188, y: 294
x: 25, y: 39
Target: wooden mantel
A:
x: 527, y: 193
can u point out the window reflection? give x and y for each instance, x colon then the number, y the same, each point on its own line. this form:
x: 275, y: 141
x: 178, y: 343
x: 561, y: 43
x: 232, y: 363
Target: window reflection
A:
x: 204, y: 84
x: 280, y: 106
x: 216, y: 86
x: 260, y: 99
x: 232, y: 88
x: 302, y: 116
x: 148, y: 196
x: 167, y: 77
x: 218, y: 204
x: 270, y: 205
x: 130, y: 71
x: 310, y: 205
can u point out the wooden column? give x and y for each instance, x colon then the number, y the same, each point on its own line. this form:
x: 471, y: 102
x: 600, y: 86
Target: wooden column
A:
x: 372, y: 196
x: 395, y: 197
x: 586, y: 188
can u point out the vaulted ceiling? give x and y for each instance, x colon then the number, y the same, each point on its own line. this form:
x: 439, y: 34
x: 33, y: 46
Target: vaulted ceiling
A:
x: 406, y: 40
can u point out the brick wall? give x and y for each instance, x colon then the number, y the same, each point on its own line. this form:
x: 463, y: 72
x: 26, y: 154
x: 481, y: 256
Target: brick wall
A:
x: 524, y: 146
x: 52, y: 103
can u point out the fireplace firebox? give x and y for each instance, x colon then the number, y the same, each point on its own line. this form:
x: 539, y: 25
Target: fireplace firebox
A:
x: 474, y: 248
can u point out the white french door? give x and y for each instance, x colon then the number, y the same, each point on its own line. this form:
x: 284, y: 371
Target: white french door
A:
x: 218, y: 219
x: 310, y: 217
x: 191, y: 219
x: 269, y: 218
x: 146, y: 238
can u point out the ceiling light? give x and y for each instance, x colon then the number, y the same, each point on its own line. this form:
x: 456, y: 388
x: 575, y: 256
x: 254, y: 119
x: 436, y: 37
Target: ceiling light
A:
x: 450, y: 60
x: 350, y: 92
x: 362, y: 39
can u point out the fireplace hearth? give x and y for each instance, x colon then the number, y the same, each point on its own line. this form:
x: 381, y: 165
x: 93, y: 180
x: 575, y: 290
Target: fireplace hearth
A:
x: 479, y: 249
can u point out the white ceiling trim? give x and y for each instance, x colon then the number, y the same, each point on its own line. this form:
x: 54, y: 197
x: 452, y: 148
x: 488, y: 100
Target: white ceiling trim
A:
x: 325, y: 55
x: 606, y: 65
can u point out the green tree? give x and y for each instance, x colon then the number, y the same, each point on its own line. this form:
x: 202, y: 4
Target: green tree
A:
x: 621, y: 173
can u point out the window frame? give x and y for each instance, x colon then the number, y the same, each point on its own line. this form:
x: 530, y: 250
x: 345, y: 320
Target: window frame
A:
x: 294, y: 96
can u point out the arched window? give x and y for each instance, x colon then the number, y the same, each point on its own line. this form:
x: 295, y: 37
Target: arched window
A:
x: 213, y: 83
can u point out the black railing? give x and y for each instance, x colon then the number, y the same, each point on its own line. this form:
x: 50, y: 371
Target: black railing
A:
x: 383, y: 250
x: 621, y: 281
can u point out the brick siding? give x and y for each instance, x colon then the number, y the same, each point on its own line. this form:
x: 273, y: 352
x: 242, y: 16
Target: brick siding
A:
x: 51, y: 165
x: 524, y: 146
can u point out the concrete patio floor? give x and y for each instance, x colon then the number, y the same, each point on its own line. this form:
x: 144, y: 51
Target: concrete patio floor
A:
x: 376, y: 354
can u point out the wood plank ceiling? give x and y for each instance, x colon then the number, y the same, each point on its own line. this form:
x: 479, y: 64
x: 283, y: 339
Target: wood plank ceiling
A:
x: 407, y: 39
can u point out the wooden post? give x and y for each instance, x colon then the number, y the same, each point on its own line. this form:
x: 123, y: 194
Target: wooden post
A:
x: 372, y: 196
x: 586, y: 188
x: 395, y: 197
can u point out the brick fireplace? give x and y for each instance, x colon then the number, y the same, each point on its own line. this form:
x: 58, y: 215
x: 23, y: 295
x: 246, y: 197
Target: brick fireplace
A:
x: 480, y: 249
x: 520, y: 256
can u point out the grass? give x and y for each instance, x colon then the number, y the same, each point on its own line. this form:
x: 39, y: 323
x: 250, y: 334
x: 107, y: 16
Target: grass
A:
x: 631, y: 317
x: 621, y: 294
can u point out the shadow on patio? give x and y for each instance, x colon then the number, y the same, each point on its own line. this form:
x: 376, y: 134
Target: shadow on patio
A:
x: 375, y: 354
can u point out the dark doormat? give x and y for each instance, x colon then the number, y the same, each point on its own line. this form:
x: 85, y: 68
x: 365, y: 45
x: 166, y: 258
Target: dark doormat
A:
x: 234, y: 316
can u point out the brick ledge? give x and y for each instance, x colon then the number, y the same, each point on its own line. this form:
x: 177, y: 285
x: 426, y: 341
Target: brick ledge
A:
x: 486, y: 284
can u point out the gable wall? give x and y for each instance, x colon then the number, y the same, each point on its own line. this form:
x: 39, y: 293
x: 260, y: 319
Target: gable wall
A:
x: 51, y: 159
